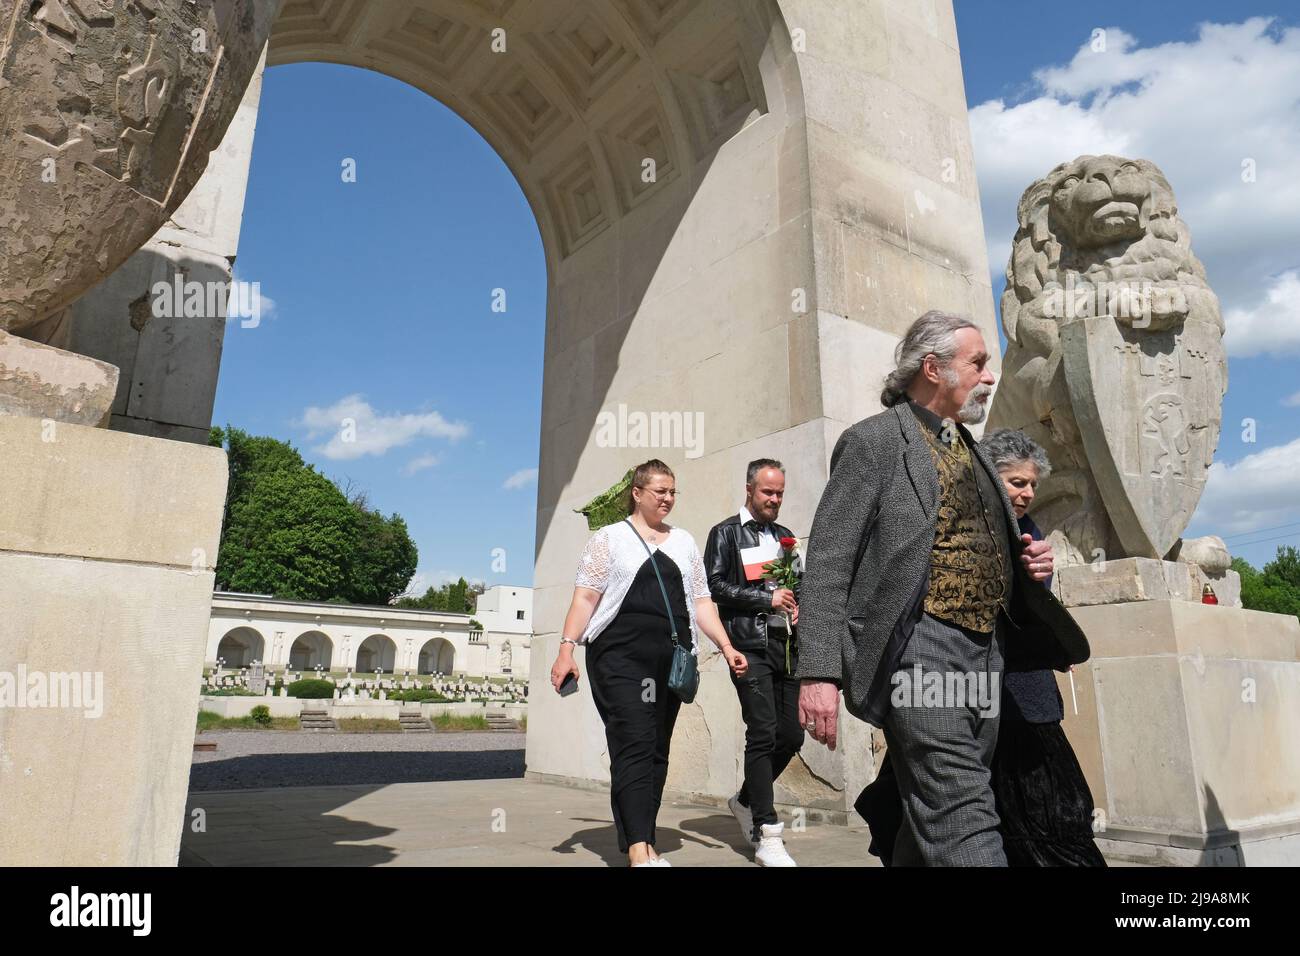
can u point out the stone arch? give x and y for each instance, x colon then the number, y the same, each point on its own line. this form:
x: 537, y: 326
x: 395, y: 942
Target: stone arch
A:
x: 823, y: 195
x: 697, y: 260
x: 580, y: 97
x: 241, y: 646
x: 311, y: 649
x: 437, y: 656
x: 377, y: 651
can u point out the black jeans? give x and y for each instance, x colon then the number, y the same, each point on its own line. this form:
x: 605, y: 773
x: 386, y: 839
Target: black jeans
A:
x: 769, y: 704
x: 628, y: 666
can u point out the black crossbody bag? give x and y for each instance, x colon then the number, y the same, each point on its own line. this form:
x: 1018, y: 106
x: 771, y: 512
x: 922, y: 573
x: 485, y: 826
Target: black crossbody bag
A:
x: 684, y: 672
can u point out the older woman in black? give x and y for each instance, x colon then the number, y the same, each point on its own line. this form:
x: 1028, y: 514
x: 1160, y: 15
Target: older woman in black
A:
x: 1042, y: 797
x: 621, y: 612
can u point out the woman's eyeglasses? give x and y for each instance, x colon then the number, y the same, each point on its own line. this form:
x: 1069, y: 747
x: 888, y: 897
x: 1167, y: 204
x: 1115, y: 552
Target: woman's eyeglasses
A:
x: 665, y: 493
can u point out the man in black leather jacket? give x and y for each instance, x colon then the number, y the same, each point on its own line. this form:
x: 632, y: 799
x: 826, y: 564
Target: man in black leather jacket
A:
x: 756, y: 620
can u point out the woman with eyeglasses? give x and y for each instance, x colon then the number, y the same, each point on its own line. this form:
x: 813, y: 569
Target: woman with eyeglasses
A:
x: 619, y: 613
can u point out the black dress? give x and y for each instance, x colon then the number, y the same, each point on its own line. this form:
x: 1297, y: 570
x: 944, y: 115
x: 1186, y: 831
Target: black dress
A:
x: 628, y: 663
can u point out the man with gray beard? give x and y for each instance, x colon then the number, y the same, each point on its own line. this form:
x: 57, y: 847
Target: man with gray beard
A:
x: 916, y: 565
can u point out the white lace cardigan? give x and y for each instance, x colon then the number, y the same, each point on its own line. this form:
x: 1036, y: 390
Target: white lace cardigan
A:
x: 611, y: 560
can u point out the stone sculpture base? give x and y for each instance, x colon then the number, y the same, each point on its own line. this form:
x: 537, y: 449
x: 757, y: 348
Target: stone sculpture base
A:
x: 40, y: 381
x: 1142, y: 579
x: 1185, y: 722
x: 107, y: 546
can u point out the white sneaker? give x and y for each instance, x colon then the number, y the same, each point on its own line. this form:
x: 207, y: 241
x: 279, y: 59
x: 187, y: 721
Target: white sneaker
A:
x: 745, y: 817
x: 646, y: 863
x: 771, y: 848
x: 660, y: 861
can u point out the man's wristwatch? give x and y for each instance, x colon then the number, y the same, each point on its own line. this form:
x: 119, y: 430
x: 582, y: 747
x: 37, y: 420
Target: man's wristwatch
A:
x: 566, y: 640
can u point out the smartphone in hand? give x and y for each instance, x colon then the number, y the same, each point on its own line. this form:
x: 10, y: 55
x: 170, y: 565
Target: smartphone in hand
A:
x: 569, y: 685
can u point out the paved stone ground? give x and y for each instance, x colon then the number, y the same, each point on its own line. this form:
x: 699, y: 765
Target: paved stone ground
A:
x: 511, y: 822
x: 436, y: 800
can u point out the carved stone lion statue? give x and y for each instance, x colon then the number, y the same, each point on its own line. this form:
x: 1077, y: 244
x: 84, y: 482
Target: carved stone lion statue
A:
x: 1114, y: 362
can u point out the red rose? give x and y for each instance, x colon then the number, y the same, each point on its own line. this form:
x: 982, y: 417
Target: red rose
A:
x: 789, y: 543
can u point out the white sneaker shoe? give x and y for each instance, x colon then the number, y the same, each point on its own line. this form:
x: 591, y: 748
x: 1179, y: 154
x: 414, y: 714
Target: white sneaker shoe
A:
x: 660, y: 861
x: 745, y: 817
x: 771, y: 848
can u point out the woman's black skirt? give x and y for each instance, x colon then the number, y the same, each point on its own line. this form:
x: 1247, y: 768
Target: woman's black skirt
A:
x: 1042, y: 797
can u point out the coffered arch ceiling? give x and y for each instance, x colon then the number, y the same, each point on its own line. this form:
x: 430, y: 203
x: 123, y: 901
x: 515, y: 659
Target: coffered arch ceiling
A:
x: 585, y: 92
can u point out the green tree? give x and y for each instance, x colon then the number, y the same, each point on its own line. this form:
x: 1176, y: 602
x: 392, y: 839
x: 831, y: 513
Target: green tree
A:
x: 385, y: 557
x: 458, y: 596
x: 1276, y: 587
x: 1285, y: 566
x: 290, y: 532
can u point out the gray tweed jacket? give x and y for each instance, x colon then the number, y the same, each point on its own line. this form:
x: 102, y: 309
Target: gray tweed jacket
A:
x: 869, y: 553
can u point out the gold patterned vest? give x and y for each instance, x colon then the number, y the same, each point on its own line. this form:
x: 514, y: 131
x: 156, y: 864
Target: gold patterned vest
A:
x: 968, y: 566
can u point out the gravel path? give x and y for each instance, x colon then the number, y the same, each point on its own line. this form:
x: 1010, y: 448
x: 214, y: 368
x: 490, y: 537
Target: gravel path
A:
x: 247, y: 760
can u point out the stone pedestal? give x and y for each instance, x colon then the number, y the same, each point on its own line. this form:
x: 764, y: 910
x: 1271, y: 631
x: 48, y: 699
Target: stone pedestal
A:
x: 107, y: 547
x: 1142, y: 579
x: 1185, y: 721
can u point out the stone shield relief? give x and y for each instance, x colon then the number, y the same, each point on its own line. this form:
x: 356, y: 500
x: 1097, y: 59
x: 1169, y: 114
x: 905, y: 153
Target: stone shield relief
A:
x: 1148, y: 409
x: 108, y: 111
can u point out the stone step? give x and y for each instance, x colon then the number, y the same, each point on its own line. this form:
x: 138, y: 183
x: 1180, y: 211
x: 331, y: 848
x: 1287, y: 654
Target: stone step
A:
x: 414, y: 724
x: 316, y: 720
x: 500, y: 722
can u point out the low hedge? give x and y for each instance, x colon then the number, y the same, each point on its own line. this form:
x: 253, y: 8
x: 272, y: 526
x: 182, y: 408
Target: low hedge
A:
x: 419, y: 695
x: 309, y: 688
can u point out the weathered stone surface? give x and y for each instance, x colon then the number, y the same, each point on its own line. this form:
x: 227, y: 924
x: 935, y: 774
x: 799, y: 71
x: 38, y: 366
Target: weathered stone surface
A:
x: 1184, y: 723
x: 1115, y: 362
x: 1142, y: 579
x: 109, y: 111
x: 170, y: 362
x: 139, y: 488
x: 107, y: 548
x: 39, y: 381
x: 1208, y: 551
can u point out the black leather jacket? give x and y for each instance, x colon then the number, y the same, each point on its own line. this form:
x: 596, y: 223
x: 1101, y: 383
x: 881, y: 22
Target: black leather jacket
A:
x: 742, y: 605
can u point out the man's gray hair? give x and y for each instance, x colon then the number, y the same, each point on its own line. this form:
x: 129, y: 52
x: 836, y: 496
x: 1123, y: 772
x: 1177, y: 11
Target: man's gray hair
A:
x: 1009, y: 447
x: 758, y: 464
x: 934, y: 333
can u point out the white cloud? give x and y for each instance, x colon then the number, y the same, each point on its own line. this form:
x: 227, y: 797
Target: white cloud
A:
x: 1272, y: 326
x: 356, y: 429
x: 419, y: 464
x: 1292, y: 401
x: 521, y: 479
x: 249, y: 305
x: 1198, y: 109
x: 1256, y: 492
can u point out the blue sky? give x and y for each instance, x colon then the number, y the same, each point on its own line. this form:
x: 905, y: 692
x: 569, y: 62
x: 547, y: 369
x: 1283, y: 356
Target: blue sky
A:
x: 383, y: 287
x: 383, y: 292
